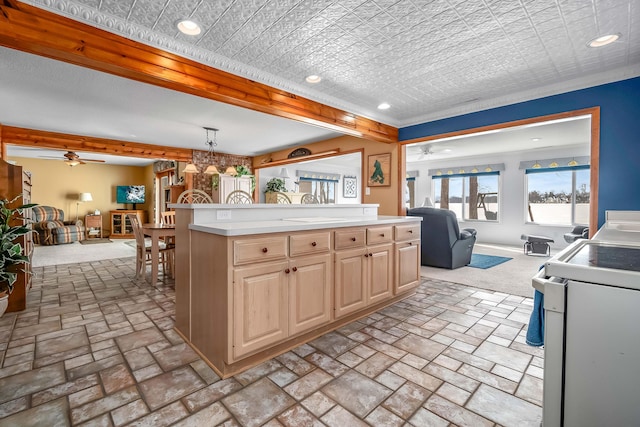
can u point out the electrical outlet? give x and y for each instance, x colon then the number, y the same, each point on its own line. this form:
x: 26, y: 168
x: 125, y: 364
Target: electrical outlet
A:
x: 223, y: 214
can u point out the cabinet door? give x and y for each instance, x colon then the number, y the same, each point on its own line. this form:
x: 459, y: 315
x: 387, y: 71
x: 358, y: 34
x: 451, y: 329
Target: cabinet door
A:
x: 226, y: 185
x: 310, y: 283
x: 244, y: 183
x: 350, y: 281
x: 379, y: 272
x: 260, y: 307
x: 407, y: 265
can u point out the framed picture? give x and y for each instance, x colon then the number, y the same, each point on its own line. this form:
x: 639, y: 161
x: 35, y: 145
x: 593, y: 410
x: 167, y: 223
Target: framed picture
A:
x: 349, y: 187
x: 379, y: 170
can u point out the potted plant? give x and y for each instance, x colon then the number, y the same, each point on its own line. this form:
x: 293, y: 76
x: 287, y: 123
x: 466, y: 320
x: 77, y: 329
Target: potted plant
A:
x: 274, y: 185
x: 11, y: 252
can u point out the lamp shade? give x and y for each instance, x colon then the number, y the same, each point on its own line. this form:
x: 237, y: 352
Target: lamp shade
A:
x: 284, y: 173
x: 190, y: 168
x: 85, y: 197
x: 231, y: 171
x: 427, y: 202
x: 212, y: 170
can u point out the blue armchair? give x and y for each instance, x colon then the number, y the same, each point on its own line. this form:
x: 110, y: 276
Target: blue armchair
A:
x: 442, y: 242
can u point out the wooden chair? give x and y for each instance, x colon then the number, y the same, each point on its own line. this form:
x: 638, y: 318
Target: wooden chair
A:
x: 309, y: 199
x: 194, y: 196
x: 168, y: 217
x: 143, y: 251
x: 282, y: 199
x: 239, y: 197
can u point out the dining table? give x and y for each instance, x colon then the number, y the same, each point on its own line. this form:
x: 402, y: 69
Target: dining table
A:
x: 157, y: 232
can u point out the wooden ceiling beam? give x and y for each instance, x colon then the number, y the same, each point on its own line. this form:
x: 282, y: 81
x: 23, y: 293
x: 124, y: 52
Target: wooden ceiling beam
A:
x: 40, y: 32
x: 62, y: 141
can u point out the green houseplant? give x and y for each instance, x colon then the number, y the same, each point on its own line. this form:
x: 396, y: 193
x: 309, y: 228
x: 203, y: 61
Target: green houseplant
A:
x: 11, y: 252
x: 275, y: 184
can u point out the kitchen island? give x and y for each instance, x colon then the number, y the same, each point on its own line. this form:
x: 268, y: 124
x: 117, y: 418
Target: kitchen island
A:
x: 248, y: 290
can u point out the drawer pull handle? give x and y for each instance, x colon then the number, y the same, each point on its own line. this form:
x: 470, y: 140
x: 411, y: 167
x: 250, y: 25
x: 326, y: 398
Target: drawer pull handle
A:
x: 286, y: 270
x: 410, y: 231
x: 353, y: 239
x: 314, y: 244
x: 410, y: 243
x: 366, y: 255
x: 381, y: 234
x: 265, y: 250
x: 370, y: 255
x: 295, y: 268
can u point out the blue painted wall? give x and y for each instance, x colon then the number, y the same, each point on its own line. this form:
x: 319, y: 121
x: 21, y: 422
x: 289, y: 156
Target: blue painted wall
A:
x: 619, y: 102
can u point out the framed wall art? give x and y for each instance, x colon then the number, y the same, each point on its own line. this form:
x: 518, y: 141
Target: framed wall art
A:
x: 350, y: 187
x: 379, y: 170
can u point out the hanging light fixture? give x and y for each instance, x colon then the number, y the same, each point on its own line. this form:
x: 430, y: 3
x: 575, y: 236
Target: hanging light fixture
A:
x: 190, y: 168
x: 211, y: 143
x: 536, y: 165
x: 553, y: 164
x: 572, y: 162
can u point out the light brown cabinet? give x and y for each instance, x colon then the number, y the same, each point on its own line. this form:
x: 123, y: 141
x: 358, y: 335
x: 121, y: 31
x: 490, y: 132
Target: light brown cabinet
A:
x: 276, y: 300
x: 254, y: 296
x: 121, y: 226
x: 363, y: 275
x: 407, y: 257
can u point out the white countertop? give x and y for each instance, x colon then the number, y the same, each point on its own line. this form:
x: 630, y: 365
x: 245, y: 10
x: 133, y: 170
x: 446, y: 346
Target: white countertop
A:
x: 242, y: 228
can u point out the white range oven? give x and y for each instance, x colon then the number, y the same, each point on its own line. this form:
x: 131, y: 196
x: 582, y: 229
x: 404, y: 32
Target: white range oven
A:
x: 592, y: 328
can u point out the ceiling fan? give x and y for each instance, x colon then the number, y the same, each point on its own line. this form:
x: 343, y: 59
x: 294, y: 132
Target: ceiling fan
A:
x: 428, y: 149
x: 72, y: 159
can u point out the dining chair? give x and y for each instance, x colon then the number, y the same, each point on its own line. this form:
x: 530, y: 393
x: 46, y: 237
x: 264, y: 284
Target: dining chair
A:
x: 239, y: 197
x: 143, y: 250
x: 168, y: 217
x: 309, y: 199
x: 194, y: 196
x: 282, y: 199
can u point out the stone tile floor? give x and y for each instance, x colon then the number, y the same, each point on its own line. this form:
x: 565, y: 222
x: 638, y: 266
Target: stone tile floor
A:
x: 96, y: 348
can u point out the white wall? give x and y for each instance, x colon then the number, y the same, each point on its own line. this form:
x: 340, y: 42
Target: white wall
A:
x: 513, y: 207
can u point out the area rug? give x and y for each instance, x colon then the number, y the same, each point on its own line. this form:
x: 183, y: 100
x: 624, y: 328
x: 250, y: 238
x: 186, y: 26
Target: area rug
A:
x: 486, y: 261
x: 94, y: 241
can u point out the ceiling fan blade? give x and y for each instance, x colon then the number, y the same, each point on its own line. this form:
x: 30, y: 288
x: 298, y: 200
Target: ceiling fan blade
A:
x: 91, y: 160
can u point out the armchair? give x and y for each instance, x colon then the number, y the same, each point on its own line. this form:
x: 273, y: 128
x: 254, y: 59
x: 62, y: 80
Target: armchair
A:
x: 52, y: 229
x: 578, y: 232
x: 442, y: 242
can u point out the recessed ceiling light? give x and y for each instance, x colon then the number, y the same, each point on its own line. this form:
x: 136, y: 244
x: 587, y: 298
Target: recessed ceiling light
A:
x: 604, y: 40
x: 313, y: 79
x: 384, y: 106
x: 188, y: 27
x: 536, y: 139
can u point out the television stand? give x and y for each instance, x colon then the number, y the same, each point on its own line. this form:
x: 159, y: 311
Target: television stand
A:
x: 121, y: 226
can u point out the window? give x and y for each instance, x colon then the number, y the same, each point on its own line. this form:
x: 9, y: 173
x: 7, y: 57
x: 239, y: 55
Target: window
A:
x: 558, y: 196
x: 324, y: 190
x: 473, y: 193
x: 470, y: 197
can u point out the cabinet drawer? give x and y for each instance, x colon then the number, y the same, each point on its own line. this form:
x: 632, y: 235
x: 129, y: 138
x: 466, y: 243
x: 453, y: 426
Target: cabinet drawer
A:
x: 258, y: 250
x: 379, y: 235
x: 353, y: 238
x: 309, y: 243
x: 407, y: 232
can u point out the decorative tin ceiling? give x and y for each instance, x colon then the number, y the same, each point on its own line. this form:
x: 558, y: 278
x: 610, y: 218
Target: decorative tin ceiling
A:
x: 428, y: 59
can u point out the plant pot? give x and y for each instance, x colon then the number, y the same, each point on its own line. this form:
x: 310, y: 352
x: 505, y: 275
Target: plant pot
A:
x: 4, y: 303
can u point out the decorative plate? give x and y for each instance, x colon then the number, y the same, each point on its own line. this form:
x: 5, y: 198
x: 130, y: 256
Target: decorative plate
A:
x: 299, y: 152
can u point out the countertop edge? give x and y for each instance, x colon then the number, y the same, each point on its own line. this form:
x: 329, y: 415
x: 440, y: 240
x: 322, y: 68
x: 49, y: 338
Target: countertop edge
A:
x: 244, y: 228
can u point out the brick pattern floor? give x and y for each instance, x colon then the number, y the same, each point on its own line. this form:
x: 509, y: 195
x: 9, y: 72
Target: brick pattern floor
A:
x: 96, y: 348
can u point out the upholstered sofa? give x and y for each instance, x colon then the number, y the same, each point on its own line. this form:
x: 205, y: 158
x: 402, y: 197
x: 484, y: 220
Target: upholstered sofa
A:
x: 442, y: 243
x: 52, y: 229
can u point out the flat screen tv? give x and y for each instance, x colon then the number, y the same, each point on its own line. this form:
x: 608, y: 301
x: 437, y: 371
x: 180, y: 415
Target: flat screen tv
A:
x: 130, y: 194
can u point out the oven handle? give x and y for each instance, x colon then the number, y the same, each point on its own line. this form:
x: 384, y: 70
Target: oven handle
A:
x: 553, y: 289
